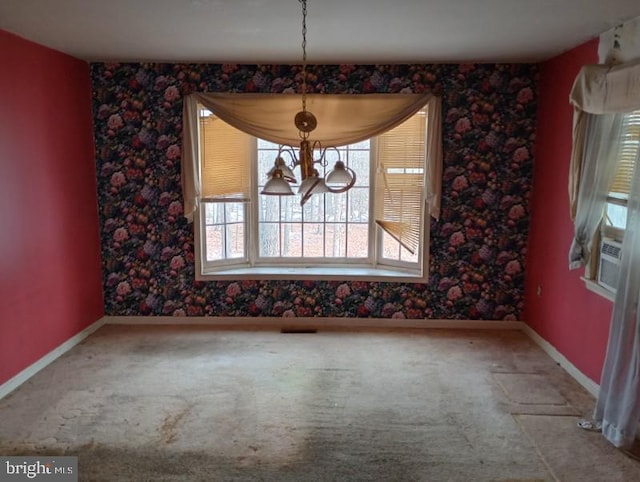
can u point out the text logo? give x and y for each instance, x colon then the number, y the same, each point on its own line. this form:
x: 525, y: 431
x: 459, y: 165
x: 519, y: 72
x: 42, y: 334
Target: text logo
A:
x: 39, y: 468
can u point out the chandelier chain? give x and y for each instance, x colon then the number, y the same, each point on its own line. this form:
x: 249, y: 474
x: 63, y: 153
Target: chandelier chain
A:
x: 340, y: 179
x: 304, y: 54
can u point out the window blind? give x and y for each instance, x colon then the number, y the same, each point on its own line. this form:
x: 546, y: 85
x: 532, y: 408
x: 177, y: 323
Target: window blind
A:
x: 226, y: 156
x: 400, y: 184
x: 628, y: 153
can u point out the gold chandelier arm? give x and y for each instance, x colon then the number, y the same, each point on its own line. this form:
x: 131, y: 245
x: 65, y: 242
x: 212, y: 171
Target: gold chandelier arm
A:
x: 290, y: 151
x: 322, y: 158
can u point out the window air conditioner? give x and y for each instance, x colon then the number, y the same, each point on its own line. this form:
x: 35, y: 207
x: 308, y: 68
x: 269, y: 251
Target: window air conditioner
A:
x: 609, y: 264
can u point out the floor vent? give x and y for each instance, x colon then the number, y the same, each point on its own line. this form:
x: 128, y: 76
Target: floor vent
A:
x: 298, y: 330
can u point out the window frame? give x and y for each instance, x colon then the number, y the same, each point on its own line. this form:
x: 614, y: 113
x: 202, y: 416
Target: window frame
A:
x: 607, y: 231
x: 375, y: 267
x: 319, y: 262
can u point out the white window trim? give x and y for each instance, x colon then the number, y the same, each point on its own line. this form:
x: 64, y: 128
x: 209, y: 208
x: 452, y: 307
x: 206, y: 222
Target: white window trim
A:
x: 591, y: 276
x: 365, y: 269
x: 302, y: 271
x: 597, y: 288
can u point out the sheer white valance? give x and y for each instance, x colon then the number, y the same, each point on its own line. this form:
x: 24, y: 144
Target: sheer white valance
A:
x: 342, y: 119
x: 600, y: 151
x: 598, y: 90
x: 604, y: 89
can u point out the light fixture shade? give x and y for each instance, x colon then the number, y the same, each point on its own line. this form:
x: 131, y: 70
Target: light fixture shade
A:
x: 308, y: 184
x: 339, y: 176
x: 312, y: 185
x: 287, y: 173
x: 277, y: 186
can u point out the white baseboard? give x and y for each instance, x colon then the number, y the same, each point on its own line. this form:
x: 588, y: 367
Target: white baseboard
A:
x: 311, y: 322
x: 13, y: 383
x: 592, y: 387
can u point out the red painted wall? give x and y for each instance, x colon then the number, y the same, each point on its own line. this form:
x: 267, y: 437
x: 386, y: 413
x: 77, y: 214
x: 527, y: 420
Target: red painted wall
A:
x: 50, y: 272
x: 574, y: 320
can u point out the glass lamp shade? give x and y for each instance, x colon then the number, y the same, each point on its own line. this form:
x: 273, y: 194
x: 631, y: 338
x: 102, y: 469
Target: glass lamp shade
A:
x: 311, y: 185
x: 277, y: 186
x: 308, y: 184
x: 339, y: 176
x: 287, y: 173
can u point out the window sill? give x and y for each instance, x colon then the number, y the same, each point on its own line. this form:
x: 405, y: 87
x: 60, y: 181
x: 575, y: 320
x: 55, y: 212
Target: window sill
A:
x: 598, y: 289
x: 314, y: 273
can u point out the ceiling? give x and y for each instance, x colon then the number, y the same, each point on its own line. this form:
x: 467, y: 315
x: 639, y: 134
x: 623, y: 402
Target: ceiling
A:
x: 339, y: 31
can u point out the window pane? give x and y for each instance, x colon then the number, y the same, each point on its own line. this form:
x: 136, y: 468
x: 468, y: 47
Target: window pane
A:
x: 336, y: 241
x: 214, y: 243
x: 319, y: 228
x: 234, y: 212
x: 269, y: 239
x: 361, y: 145
x: 291, y: 209
x: 313, y: 240
x: 235, y: 240
x: 208, y: 214
x: 359, y: 162
x: 616, y: 216
x: 390, y: 247
x: 313, y: 210
x: 359, y: 204
x: 332, y: 155
x: 268, y: 208
x: 405, y: 255
x: 330, y: 226
x: 262, y: 178
x: 297, y: 173
x: 266, y: 160
x: 214, y: 213
x: 336, y: 205
x: 358, y: 241
x: 262, y: 144
x: 291, y: 239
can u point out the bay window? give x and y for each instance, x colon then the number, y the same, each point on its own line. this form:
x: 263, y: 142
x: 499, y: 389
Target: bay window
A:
x: 377, y: 230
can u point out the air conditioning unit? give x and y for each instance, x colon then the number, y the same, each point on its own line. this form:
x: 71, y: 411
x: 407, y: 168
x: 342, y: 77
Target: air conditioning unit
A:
x: 609, y: 265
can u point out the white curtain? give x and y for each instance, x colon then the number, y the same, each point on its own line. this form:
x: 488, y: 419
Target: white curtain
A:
x: 599, y: 155
x: 189, y: 167
x: 342, y: 119
x: 618, y: 405
x: 601, y: 90
x: 433, y: 187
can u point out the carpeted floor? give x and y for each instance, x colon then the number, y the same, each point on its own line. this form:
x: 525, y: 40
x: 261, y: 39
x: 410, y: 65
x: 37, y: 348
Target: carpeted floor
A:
x: 159, y: 403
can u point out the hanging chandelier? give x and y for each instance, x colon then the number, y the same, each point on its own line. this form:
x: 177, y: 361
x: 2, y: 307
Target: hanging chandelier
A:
x: 338, y: 180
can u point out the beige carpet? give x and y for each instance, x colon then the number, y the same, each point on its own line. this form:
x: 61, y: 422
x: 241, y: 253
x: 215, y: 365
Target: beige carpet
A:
x: 193, y: 403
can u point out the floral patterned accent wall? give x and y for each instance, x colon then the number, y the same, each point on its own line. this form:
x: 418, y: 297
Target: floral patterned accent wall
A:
x: 477, y: 248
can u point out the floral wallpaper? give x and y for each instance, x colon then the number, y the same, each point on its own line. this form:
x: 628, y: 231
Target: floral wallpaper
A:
x: 477, y: 247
